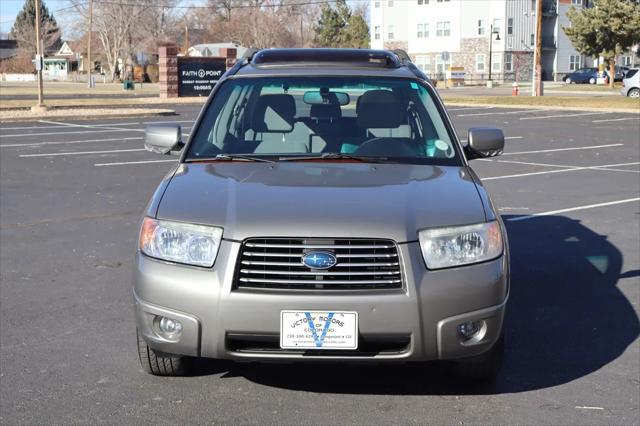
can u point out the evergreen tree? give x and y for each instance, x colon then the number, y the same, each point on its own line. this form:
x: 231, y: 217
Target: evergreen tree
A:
x: 339, y: 27
x: 24, y: 29
x: 607, y: 28
x: 358, y: 32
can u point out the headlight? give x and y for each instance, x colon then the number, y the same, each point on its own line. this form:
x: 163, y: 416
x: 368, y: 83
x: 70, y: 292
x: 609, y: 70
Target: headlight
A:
x: 180, y: 242
x: 460, y: 245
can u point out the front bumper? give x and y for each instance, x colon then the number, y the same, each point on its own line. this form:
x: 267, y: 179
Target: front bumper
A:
x: 416, y: 323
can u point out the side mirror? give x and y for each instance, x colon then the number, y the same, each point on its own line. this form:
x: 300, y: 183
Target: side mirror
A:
x: 163, y: 138
x: 484, y: 142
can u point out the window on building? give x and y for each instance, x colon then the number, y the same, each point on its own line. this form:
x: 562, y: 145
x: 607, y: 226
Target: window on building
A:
x: 496, y: 65
x: 447, y: 28
x: 626, y: 61
x: 439, y: 29
x: 508, y: 62
x: 575, y: 62
x: 442, y: 65
x: 390, y: 3
x: 376, y: 4
x: 420, y: 2
x: 423, y: 62
x: 533, y: 39
x: 510, y: 26
x: 497, y: 24
x: 376, y: 32
x: 577, y: 2
x: 423, y: 30
x: 481, y: 26
x: 390, y: 33
x: 480, y: 61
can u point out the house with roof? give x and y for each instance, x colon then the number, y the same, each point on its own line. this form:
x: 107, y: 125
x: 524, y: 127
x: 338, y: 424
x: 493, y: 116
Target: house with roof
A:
x: 213, y: 49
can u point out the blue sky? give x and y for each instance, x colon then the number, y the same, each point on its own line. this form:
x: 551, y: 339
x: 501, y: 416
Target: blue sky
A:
x: 9, y: 9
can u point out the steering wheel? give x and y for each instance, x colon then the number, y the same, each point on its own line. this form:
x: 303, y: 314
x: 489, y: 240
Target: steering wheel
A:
x: 380, y: 147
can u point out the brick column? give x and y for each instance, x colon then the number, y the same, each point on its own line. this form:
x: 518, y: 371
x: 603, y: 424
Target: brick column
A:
x: 231, y: 54
x: 168, y: 71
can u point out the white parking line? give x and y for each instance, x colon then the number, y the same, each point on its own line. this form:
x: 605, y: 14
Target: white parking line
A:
x: 569, y: 169
x: 58, y: 154
x: 31, y: 127
x: 496, y: 113
x: 81, y: 132
x: 526, y: 163
x: 14, y: 145
x: 616, y: 119
x: 562, y: 166
x: 506, y: 138
x: 564, y: 149
x: 124, y: 163
x: 468, y: 108
x: 62, y: 125
x: 564, y: 115
x: 573, y: 209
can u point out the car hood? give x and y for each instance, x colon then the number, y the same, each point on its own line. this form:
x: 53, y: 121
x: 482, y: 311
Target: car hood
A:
x: 311, y: 199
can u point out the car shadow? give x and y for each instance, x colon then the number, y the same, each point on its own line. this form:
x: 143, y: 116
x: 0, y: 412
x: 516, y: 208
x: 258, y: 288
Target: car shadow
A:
x: 566, y: 318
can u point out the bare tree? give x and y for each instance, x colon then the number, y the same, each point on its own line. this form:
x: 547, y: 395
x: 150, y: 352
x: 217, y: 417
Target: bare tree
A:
x: 122, y: 27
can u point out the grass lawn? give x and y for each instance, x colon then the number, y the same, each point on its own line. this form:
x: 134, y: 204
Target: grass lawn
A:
x: 588, y: 88
x: 633, y: 105
x: 97, y: 102
x: 60, y: 88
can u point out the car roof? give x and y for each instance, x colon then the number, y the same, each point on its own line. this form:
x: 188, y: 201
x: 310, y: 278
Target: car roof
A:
x: 328, y: 62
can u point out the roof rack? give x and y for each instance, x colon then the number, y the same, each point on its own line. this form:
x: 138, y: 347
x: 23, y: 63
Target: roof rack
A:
x: 337, y: 57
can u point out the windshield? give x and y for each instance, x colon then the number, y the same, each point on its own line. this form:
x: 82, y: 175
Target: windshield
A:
x: 284, y: 118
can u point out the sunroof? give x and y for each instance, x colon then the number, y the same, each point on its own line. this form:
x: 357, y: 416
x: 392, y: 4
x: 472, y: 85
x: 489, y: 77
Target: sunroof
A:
x: 357, y: 57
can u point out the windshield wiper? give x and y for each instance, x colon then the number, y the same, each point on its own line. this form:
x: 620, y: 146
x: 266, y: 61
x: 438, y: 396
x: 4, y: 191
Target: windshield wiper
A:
x: 337, y: 156
x: 232, y: 157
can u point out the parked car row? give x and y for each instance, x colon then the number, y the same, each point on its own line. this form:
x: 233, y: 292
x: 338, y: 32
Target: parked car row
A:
x: 590, y: 75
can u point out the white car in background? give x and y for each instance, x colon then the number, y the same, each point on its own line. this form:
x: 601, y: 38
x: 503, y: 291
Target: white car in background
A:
x: 631, y: 84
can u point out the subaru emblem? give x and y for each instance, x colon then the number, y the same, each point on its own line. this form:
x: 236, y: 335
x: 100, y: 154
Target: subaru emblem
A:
x: 319, y: 260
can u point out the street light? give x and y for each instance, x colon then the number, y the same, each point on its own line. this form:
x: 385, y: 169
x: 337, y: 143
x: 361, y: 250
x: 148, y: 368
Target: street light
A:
x: 497, y: 33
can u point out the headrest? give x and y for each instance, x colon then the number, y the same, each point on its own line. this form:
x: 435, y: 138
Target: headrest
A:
x: 380, y: 109
x: 274, y: 114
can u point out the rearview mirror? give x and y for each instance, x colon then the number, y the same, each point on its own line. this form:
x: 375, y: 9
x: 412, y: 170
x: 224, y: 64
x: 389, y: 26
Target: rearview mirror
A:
x: 163, y: 138
x: 484, y: 142
x: 325, y: 97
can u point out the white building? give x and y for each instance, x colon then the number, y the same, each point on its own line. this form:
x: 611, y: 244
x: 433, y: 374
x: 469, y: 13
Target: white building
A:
x: 458, y: 33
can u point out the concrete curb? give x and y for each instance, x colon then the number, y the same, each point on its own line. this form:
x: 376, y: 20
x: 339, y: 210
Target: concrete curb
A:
x: 140, y: 114
x: 541, y: 107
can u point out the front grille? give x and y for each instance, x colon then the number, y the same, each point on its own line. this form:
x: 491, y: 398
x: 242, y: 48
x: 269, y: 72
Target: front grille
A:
x: 368, y: 345
x: 276, y: 263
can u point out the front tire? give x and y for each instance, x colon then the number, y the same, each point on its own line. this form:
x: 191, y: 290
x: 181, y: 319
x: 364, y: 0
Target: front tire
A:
x: 161, y: 364
x: 634, y: 93
x: 592, y: 80
x: 484, y: 367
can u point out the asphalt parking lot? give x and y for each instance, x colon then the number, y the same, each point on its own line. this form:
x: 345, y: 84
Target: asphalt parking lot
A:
x: 71, y: 196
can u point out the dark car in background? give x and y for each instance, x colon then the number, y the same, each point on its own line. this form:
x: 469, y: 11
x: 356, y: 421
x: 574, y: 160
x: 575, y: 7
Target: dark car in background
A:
x: 582, y: 76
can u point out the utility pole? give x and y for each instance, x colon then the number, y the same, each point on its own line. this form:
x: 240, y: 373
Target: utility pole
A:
x: 90, y: 31
x: 40, y: 105
x: 537, y: 57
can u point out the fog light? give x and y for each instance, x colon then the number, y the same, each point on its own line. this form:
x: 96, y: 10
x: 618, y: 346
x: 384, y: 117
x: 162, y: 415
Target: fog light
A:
x: 470, y: 329
x: 168, y: 328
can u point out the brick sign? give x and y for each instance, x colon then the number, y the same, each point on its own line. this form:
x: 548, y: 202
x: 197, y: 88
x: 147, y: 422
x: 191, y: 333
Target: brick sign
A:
x: 198, y: 75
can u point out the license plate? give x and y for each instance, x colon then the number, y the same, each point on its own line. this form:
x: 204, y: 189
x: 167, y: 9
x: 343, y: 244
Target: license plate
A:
x: 318, y: 330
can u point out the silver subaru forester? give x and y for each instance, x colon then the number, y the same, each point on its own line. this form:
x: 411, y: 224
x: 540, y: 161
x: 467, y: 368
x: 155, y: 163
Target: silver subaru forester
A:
x: 322, y: 209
